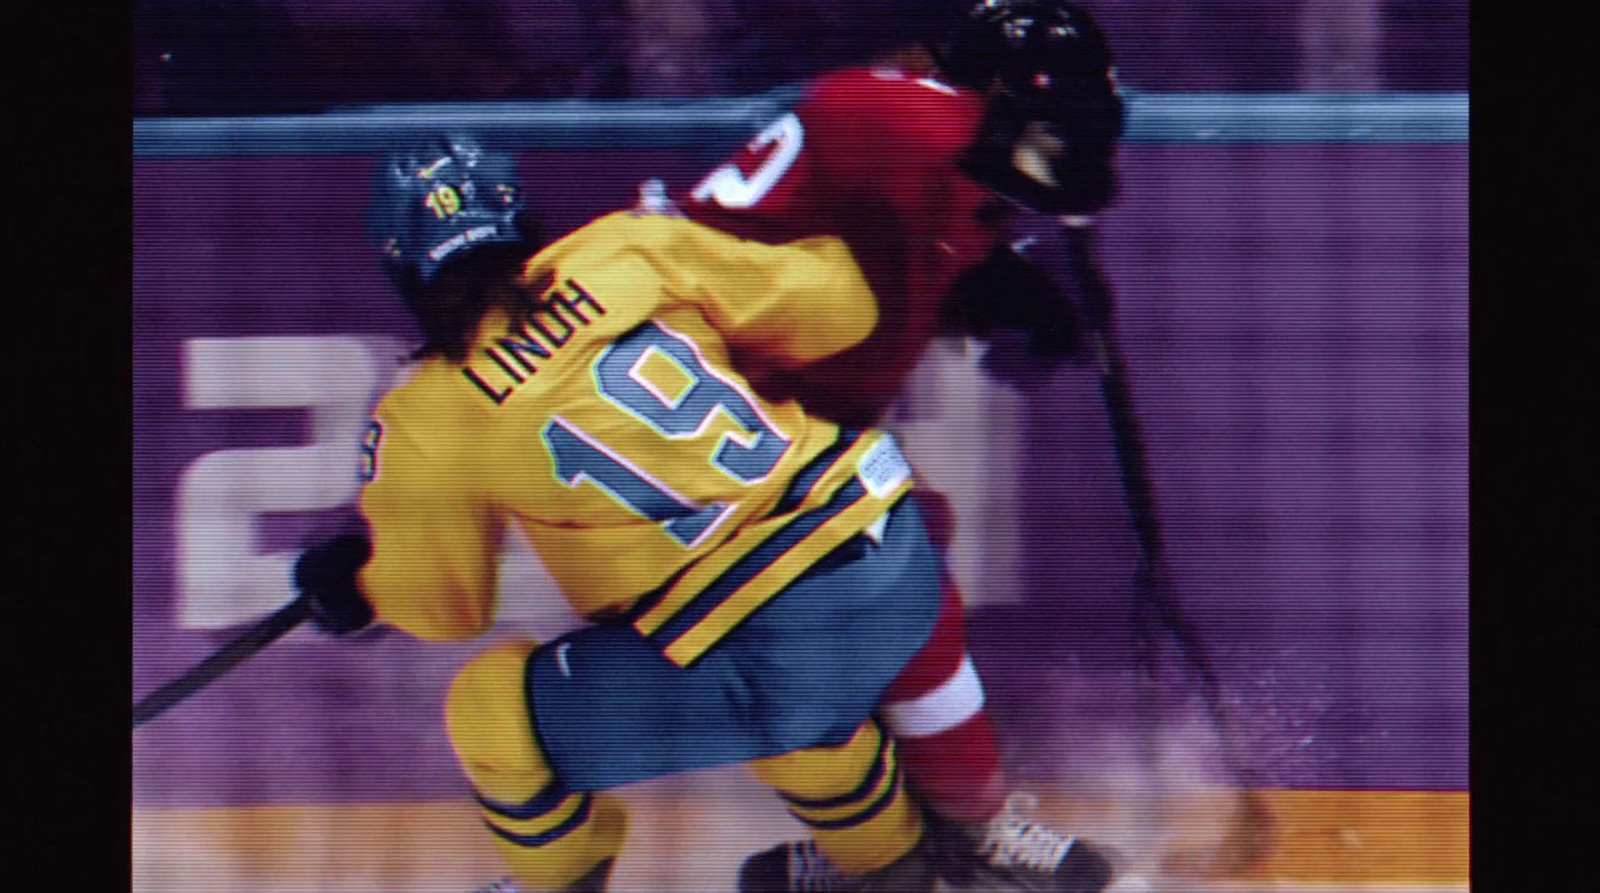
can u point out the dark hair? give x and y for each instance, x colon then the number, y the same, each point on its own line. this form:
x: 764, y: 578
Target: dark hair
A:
x: 449, y: 307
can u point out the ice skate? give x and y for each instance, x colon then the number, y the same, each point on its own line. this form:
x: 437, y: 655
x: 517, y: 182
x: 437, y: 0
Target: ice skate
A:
x: 1014, y: 852
x: 799, y: 867
x: 593, y: 882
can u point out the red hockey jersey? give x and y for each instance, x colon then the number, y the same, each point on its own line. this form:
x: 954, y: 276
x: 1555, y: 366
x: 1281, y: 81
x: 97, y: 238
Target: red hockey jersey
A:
x: 868, y: 154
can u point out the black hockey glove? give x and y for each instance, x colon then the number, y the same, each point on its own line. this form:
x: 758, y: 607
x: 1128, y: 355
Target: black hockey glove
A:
x: 1032, y: 327
x: 325, y: 576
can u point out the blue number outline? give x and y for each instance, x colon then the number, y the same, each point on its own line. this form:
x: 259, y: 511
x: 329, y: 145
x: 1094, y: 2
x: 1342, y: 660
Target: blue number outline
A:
x: 751, y: 438
x: 586, y: 458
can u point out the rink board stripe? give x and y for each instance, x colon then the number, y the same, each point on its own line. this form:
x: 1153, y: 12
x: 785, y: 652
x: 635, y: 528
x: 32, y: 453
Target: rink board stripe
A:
x: 1371, y: 837
x: 1360, y: 838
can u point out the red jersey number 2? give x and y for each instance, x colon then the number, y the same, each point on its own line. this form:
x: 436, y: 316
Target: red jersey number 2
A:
x: 729, y: 187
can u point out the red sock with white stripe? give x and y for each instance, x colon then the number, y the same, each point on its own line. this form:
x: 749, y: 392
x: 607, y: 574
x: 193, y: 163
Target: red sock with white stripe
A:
x: 943, y: 733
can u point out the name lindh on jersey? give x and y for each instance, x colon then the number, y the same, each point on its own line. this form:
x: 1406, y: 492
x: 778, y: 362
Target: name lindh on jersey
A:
x: 531, y: 337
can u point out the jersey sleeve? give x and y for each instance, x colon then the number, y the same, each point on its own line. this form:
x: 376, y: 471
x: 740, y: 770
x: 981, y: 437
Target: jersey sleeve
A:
x: 432, y: 570
x: 901, y: 139
x: 765, y: 190
x: 792, y: 303
x: 871, y: 155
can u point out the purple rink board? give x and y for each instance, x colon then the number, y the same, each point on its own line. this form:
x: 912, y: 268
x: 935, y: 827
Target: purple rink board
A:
x: 1296, y: 321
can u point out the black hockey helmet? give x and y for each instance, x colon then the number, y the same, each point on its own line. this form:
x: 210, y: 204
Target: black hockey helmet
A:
x: 438, y: 197
x: 1049, y: 73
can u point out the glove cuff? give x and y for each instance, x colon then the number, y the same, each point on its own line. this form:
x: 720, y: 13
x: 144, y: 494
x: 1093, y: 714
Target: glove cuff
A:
x: 325, y: 576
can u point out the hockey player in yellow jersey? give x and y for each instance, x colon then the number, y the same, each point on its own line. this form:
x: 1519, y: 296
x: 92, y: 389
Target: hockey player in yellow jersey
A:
x: 755, y: 576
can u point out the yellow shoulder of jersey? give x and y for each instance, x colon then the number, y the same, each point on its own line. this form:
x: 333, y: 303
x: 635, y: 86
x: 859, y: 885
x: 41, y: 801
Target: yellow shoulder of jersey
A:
x: 434, y: 406
x: 793, y: 303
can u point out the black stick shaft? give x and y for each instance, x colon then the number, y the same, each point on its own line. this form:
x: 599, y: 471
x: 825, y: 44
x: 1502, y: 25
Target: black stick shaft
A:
x: 1128, y: 443
x: 1127, y: 440
x: 1152, y: 594
x: 264, y: 633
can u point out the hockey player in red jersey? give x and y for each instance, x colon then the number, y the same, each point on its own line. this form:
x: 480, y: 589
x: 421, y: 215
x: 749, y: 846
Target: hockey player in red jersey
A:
x: 922, y: 161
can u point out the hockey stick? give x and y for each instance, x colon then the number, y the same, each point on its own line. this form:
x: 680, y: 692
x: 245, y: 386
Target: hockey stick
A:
x: 1155, y: 609
x: 263, y: 633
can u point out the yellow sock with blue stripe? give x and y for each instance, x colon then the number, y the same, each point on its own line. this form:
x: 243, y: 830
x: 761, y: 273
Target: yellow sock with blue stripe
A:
x: 552, y: 840
x: 851, y: 797
x: 548, y: 836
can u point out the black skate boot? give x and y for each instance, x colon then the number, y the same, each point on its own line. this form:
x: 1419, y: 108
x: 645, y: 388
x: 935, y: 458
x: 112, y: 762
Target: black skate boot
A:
x: 799, y: 867
x: 1012, y: 852
x: 593, y: 882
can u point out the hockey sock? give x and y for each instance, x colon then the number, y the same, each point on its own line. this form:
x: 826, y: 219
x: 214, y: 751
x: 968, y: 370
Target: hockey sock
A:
x: 935, y: 709
x: 852, y: 797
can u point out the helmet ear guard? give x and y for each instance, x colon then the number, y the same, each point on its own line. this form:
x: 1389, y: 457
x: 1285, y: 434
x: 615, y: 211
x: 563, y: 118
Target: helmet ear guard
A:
x: 1055, y: 111
x: 1041, y: 166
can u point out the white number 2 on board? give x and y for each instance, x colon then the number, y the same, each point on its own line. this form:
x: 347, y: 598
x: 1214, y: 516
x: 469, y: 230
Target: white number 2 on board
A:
x: 222, y: 578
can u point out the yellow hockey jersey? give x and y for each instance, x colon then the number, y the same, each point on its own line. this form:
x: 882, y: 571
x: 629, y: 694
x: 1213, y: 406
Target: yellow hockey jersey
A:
x: 610, y: 426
